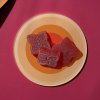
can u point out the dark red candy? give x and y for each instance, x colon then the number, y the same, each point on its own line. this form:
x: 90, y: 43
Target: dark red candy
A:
x: 48, y: 57
x: 37, y: 41
x: 68, y: 49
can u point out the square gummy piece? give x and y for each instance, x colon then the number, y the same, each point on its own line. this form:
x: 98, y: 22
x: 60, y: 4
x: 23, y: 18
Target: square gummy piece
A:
x: 37, y: 41
x: 68, y: 50
x: 48, y: 57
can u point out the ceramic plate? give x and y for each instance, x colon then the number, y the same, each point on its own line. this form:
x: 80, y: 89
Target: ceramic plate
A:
x: 31, y: 69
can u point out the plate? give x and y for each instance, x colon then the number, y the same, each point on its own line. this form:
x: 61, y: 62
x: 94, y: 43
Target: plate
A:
x: 31, y: 71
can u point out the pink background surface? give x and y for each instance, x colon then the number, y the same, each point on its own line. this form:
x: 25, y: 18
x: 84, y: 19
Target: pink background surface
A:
x: 13, y: 86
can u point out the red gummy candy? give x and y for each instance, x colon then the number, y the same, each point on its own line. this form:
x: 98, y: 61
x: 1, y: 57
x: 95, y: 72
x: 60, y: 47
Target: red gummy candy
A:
x: 68, y: 50
x: 48, y: 57
x: 37, y: 41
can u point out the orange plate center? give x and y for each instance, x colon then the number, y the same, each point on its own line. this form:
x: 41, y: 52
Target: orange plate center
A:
x: 56, y: 34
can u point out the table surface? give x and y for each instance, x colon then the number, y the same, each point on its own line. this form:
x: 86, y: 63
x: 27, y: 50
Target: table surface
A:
x: 86, y: 86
